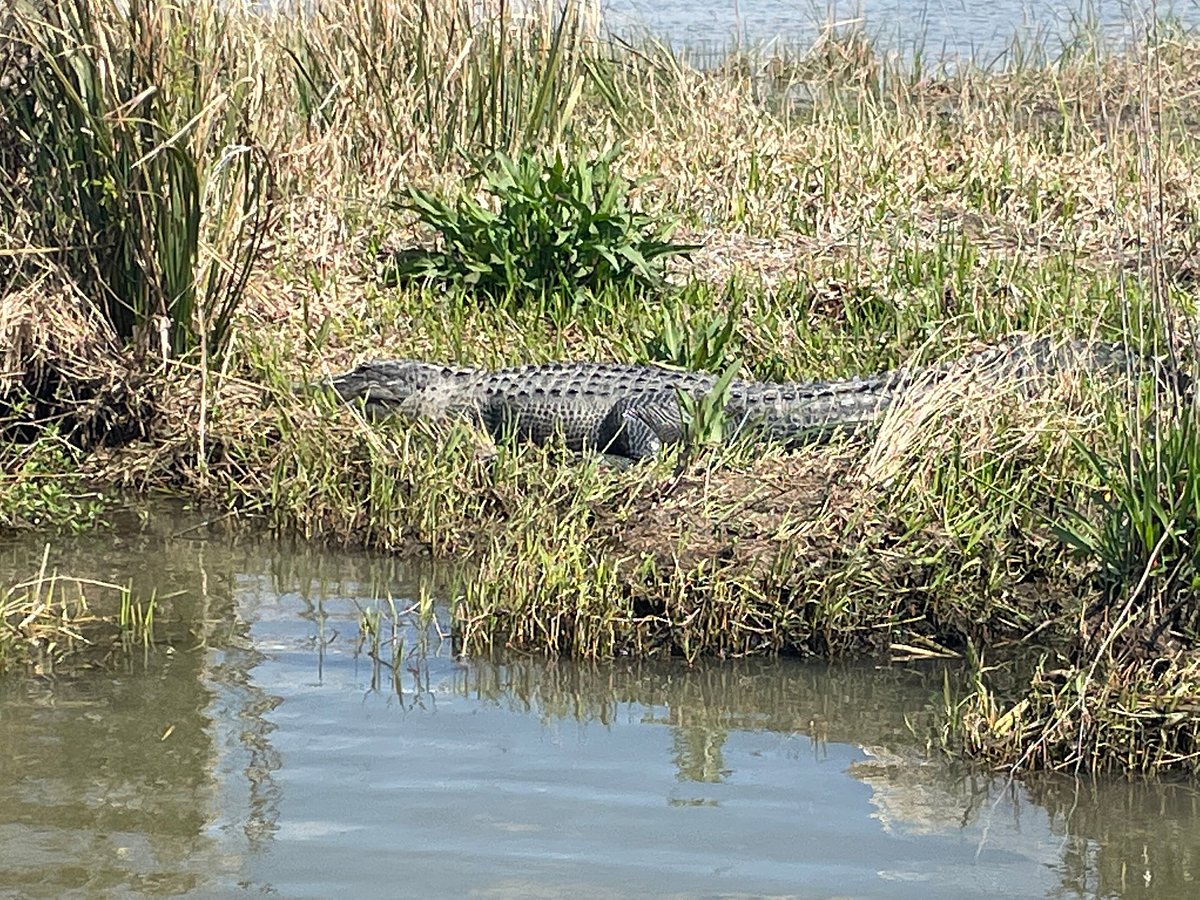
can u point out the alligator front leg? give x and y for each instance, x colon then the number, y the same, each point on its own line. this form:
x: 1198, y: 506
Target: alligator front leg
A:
x: 639, y: 426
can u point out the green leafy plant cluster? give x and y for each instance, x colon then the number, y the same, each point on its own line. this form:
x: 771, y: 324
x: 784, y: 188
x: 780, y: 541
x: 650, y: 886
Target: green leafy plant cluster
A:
x: 554, y: 230
x: 704, y: 417
x: 40, y: 488
x: 691, y: 341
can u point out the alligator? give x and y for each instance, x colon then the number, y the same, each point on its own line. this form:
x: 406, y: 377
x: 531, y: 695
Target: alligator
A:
x: 633, y: 411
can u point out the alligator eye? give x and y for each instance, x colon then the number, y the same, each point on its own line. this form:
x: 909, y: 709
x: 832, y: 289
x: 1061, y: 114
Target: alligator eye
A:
x: 571, y: 392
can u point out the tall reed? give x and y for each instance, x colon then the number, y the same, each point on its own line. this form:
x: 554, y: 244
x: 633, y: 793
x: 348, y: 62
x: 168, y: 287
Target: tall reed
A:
x: 134, y: 177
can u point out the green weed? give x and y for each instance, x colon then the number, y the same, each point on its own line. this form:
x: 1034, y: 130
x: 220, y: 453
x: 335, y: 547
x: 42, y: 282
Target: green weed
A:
x: 689, y: 339
x: 554, y: 228
x: 704, y: 418
x: 135, y: 621
x: 1139, y: 530
x: 40, y: 487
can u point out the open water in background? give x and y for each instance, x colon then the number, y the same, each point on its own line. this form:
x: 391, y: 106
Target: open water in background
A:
x: 940, y: 29
x: 265, y: 752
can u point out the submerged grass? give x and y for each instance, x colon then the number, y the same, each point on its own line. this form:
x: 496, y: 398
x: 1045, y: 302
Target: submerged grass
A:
x: 49, y: 624
x: 853, y: 214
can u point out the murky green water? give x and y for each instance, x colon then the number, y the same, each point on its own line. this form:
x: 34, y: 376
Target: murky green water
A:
x: 268, y: 754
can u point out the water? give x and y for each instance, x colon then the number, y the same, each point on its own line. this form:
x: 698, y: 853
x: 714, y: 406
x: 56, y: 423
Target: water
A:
x: 267, y: 754
x: 940, y: 29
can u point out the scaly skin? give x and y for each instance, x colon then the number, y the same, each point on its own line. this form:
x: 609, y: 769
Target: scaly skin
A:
x: 634, y: 410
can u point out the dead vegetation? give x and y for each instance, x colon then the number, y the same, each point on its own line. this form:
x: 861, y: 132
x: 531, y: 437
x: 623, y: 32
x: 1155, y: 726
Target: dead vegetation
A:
x: 64, y: 371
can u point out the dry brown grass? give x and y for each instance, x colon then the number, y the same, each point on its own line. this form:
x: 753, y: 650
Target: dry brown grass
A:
x: 63, y: 369
x: 828, y: 197
x: 1126, y: 714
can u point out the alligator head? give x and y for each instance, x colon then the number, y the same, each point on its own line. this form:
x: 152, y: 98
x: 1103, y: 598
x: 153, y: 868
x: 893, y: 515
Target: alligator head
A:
x: 390, y: 382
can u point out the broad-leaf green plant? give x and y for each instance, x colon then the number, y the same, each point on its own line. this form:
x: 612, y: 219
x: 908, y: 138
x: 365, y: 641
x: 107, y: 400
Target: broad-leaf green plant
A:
x: 40, y: 487
x: 552, y: 230
x: 704, y: 417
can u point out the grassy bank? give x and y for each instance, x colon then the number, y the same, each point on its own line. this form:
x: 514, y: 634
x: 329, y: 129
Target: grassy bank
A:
x: 235, y: 224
